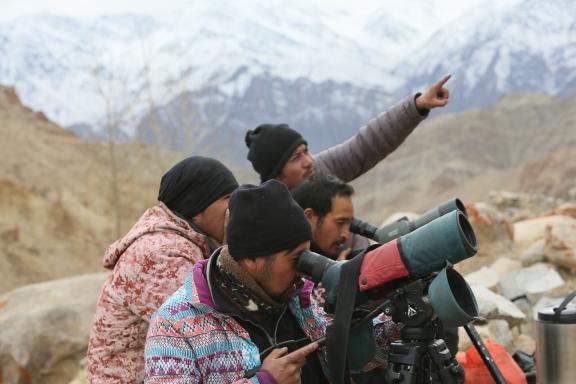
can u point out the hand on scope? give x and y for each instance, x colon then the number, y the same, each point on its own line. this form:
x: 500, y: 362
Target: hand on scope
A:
x: 288, y: 368
x: 435, y: 96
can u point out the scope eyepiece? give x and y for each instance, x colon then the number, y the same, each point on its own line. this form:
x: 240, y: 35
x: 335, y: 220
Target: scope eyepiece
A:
x: 313, y: 265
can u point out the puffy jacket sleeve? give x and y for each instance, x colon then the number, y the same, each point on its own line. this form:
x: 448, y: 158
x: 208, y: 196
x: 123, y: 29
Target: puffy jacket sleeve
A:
x: 373, y: 142
x: 150, y: 276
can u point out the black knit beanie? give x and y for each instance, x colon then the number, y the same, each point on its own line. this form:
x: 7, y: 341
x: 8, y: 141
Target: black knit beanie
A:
x: 264, y: 220
x: 270, y: 146
x: 190, y: 186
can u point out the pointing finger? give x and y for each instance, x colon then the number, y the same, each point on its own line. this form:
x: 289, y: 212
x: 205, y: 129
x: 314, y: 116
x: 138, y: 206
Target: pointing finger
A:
x: 443, y: 81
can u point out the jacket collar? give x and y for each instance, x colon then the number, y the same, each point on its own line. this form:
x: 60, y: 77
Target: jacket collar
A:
x: 204, y: 291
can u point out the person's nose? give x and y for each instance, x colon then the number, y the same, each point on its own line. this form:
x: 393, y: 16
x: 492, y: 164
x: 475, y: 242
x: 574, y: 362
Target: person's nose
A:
x: 308, y: 161
x: 345, y: 233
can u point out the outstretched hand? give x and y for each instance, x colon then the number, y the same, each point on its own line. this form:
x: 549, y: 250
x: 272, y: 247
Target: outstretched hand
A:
x: 435, y: 96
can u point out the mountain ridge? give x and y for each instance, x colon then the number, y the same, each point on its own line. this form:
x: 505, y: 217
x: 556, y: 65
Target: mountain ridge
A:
x: 49, y: 58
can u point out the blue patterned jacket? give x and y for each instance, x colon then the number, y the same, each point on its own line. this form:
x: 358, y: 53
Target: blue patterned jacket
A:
x: 190, y: 342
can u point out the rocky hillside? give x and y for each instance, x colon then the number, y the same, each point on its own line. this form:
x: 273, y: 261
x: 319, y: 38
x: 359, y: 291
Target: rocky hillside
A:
x: 56, y: 195
x: 525, y: 143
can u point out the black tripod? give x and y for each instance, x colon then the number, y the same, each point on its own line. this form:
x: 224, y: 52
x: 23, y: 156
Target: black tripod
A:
x: 419, y: 357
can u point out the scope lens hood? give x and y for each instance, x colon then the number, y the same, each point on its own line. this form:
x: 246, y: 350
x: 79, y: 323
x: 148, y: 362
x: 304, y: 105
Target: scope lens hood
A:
x: 452, y: 298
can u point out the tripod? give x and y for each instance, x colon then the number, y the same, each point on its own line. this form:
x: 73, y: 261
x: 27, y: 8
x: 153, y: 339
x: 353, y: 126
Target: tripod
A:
x: 419, y: 357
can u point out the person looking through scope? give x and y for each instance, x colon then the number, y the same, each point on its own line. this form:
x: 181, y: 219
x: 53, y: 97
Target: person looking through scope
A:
x: 245, y: 315
x: 404, y: 226
x: 327, y: 203
x: 401, y: 272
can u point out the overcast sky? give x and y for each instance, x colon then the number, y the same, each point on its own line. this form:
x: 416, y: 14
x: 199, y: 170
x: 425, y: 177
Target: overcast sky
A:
x: 10, y: 9
x: 13, y: 8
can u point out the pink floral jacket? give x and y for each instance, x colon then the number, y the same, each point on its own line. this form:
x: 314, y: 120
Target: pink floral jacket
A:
x: 149, y: 264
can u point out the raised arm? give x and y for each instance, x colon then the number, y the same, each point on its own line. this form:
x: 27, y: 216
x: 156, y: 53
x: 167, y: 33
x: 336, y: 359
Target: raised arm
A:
x: 381, y: 136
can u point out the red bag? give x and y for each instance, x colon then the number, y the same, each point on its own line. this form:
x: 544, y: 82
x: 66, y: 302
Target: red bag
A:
x: 476, y: 371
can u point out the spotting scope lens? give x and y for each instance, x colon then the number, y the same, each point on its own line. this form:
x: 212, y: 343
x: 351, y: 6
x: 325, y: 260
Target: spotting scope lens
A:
x: 404, y: 226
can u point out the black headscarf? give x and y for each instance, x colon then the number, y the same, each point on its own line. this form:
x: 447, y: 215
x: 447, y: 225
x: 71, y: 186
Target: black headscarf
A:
x: 190, y: 186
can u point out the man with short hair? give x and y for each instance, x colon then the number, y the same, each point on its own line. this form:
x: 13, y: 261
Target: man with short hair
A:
x: 245, y: 315
x: 276, y: 151
x: 151, y: 262
x: 327, y: 203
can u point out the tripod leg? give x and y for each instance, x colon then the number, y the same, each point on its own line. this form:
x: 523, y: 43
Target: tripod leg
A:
x: 485, y: 354
x: 446, y: 368
x: 405, y: 363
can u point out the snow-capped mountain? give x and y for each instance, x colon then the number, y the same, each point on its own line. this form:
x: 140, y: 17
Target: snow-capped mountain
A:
x: 210, y: 121
x: 495, y: 50
x: 324, y: 70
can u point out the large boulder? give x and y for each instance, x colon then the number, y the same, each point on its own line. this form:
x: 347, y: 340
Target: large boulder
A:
x: 494, y: 233
x: 536, y: 279
x: 534, y: 253
x: 566, y: 209
x: 526, y: 232
x: 45, y: 329
x: 485, y: 277
x: 489, y: 277
x: 560, y: 244
x: 505, y: 266
x: 492, y: 306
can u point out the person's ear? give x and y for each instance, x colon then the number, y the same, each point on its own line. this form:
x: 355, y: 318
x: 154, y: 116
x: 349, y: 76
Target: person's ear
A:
x: 309, y: 212
x: 311, y: 216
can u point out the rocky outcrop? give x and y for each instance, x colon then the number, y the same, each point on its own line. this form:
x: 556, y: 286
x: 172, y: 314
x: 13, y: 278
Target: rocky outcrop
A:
x: 493, y: 306
x: 560, y: 244
x: 526, y: 232
x: 45, y: 329
x: 520, y: 206
x: 534, y: 253
x: 8, y: 96
x: 494, y: 234
x: 511, y: 291
x: 538, y: 278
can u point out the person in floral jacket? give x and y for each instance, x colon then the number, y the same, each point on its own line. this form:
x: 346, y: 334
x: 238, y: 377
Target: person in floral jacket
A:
x: 152, y: 260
